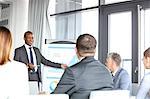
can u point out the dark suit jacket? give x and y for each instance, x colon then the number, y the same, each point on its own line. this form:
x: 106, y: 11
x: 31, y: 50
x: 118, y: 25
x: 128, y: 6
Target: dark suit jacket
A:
x: 21, y: 56
x: 82, y: 78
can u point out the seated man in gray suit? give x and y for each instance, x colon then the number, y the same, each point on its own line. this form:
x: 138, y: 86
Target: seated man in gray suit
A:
x: 121, y: 77
x: 87, y: 75
x: 32, y: 57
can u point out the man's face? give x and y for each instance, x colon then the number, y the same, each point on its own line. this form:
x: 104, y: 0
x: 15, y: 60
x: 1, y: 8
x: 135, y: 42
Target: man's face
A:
x: 29, y: 39
x: 146, y: 62
x: 109, y: 64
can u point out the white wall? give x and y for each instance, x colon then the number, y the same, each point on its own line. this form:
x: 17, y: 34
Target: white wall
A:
x: 18, y: 21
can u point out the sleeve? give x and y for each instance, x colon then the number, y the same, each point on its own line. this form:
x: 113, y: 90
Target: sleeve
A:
x: 48, y: 62
x: 16, y: 55
x: 66, y: 84
x: 125, y: 82
x: 144, y: 87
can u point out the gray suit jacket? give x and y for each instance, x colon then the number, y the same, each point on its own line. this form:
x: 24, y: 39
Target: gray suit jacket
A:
x: 122, y: 80
x: 82, y: 78
x: 21, y: 56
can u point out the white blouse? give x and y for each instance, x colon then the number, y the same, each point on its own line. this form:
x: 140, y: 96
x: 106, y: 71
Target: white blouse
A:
x: 13, y: 79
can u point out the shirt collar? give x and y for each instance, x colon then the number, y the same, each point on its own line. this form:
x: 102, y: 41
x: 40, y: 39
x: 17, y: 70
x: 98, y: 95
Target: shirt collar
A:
x: 82, y: 58
x: 114, y: 73
x: 27, y: 46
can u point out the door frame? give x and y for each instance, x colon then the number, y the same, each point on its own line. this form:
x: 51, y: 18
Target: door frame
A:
x: 104, y: 11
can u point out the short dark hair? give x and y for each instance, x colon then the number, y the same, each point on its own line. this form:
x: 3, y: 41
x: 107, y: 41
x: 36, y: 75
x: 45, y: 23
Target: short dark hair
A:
x: 27, y: 33
x: 86, y: 43
x: 147, y: 52
x: 115, y: 57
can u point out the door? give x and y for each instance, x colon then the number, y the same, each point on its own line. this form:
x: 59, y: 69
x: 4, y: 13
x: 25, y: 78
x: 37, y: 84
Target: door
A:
x: 119, y: 32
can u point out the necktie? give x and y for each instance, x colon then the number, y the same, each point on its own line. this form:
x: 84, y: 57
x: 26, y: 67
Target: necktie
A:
x: 31, y: 58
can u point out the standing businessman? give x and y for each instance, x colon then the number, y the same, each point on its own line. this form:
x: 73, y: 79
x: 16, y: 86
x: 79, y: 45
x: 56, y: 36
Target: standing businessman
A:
x: 32, y: 57
x: 87, y: 75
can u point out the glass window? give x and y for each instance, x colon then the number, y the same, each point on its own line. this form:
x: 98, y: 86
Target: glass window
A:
x: 114, y: 1
x: 70, y: 26
x: 65, y: 26
x: 90, y: 25
x: 89, y: 3
x: 147, y: 29
x: 90, y: 22
x: 144, y: 38
x: 58, y: 6
x: 120, y: 37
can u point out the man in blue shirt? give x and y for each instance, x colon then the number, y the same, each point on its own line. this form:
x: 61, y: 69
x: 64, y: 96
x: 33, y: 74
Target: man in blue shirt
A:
x: 121, y: 78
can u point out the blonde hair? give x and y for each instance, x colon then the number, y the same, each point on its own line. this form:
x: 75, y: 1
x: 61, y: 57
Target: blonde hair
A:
x: 5, y: 45
x: 115, y: 57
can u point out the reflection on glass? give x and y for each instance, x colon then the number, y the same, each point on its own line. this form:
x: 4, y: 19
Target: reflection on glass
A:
x: 120, y: 37
x: 58, y: 6
x: 114, y: 1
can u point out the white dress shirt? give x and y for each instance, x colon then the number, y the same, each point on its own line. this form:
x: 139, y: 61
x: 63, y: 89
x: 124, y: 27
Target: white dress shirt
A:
x: 34, y: 56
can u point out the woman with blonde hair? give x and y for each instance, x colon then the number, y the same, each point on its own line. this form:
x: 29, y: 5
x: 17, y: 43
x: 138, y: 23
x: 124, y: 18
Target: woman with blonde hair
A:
x: 13, y: 74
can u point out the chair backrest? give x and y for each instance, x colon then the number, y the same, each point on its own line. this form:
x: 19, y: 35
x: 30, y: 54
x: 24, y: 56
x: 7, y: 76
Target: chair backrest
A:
x: 135, y: 87
x: 51, y: 96
x: 109, y: 94
x: 33, y: 88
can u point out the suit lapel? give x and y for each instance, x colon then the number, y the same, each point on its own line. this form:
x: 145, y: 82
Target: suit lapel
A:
x: 26, y: 54
x: 117, y: 74
x: 36, y: 55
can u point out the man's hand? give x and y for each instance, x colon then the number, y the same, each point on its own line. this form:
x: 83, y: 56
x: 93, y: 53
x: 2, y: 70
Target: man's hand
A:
x: 31, y: 66
x: 64, y: 66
